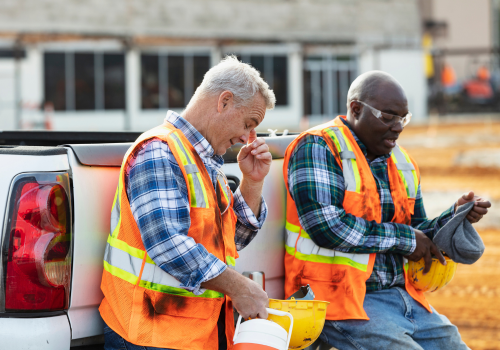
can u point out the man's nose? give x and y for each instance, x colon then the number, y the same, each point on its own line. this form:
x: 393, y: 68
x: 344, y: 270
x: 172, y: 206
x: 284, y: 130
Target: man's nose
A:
x: 244, y: 139
x: 398, y: 126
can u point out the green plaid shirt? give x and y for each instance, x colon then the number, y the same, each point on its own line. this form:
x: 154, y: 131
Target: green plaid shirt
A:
x: 316, y: 184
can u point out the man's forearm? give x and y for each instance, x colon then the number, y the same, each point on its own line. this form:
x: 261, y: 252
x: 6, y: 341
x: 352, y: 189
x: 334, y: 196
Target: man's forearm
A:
x: 252, y: 193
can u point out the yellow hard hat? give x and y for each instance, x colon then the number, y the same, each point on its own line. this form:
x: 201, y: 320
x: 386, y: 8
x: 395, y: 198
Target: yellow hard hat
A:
x: 308, y: 319
x: 437, y: 277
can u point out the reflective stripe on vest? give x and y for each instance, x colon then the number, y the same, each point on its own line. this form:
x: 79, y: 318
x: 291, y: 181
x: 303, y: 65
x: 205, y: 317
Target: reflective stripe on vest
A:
x: 301, y: 246
x: 198, y: 191
x: 349, y: 165
x: 406, y: 170
x: 231, y: 262
x: 197, y: 188
x: 115, y: 213
x: 350, y: 169
x: 125, y: 262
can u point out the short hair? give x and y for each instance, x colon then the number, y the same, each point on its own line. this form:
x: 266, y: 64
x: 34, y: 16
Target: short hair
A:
x: 240, y: 78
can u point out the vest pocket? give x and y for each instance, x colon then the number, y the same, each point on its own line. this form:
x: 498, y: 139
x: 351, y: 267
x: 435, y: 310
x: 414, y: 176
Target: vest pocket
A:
x: 181, y: 306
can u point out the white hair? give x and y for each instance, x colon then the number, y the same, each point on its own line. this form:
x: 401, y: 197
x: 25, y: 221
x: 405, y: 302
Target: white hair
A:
x: 240, y: 78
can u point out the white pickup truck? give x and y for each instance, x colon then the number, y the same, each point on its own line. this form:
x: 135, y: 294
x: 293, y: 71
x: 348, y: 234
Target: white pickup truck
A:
x: 57, y: 202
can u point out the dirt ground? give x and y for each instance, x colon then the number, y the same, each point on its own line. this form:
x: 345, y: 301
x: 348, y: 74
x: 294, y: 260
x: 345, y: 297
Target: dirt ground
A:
x: 455, y: 158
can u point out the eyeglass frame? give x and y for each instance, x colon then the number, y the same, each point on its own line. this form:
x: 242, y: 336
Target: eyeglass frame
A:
x: 378, y: 114
x: 220, y: 174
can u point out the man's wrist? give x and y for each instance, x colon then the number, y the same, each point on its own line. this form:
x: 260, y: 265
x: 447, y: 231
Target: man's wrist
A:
x: 249, y: 184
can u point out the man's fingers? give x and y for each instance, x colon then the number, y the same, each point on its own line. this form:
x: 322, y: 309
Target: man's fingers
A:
x: 260, y: 149
x: 252, y: 137
x: 265, y: 156
x: 479, y: 210
x: 474, y: 215
x: 483, y: 204
x: 437, y: 253
x: 263, y: 314
x: 428, y: 261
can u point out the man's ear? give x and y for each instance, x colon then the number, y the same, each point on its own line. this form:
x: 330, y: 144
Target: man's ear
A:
x: 355, y: 109
x: 225, y: 101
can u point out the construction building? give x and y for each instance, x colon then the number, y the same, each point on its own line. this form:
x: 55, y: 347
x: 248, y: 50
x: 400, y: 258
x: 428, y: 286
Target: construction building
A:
x: 114, y: 65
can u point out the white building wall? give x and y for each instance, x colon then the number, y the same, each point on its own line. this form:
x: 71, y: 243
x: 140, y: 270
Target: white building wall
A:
x: 7, y: 95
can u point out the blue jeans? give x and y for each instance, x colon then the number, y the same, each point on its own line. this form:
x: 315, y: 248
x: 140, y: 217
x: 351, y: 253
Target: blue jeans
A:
x: 113, y: 341
x: 397, y: 321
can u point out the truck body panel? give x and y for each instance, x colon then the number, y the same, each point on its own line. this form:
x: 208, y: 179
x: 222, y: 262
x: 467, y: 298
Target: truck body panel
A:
x: 94, y: 171
x: 43, y: 333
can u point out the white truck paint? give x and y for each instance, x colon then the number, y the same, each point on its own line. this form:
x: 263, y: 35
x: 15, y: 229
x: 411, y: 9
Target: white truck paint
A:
x: 94, y: 172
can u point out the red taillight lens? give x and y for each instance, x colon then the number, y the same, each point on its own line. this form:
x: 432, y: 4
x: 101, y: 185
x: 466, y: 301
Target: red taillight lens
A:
x: 37, y: 250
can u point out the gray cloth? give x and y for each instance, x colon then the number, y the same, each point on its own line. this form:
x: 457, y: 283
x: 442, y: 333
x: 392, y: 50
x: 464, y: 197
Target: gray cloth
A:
x: 458, y: 239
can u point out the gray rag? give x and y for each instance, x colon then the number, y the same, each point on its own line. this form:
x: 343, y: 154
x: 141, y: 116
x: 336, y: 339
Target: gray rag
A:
x: 458, y: 239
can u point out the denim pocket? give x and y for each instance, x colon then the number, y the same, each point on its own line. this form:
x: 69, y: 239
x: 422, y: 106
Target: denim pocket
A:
x: 112, y: 340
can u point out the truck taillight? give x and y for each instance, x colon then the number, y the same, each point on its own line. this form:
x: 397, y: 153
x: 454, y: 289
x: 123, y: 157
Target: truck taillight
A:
x: 37, y: 247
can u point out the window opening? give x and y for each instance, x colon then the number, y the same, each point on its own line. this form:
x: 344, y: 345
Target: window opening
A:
x: 170, y: 80
x: 84, y: 80
x: 274, y: 70
x: 326, y: 83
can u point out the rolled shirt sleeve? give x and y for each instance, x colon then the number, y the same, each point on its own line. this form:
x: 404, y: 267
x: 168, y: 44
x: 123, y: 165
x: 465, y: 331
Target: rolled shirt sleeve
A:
x: 248, y: 224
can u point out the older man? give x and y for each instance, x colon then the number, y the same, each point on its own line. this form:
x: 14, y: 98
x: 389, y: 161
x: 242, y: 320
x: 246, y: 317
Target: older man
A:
x: 354, y: 212
x: 176, y: 227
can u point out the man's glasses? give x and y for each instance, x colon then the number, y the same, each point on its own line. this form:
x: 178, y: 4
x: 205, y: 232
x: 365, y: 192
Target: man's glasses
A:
x: 222, y: 181
x: 386, y: 118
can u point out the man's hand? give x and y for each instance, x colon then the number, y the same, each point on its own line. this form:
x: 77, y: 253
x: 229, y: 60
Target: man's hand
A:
x: 255, y: 159
x: 478, y: 210
x: 248, y: 297
x: 424, y: 249
x: 250, y: 301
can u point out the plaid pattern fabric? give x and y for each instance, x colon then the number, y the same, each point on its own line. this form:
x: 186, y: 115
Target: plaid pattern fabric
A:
x: 316, y: 184
x: 158, y: 198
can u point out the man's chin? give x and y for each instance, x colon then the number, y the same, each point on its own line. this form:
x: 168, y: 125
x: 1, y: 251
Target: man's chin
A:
x: 221, y: 152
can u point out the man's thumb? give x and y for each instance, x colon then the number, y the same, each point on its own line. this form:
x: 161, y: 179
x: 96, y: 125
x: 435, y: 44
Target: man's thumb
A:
x: 468, y: 196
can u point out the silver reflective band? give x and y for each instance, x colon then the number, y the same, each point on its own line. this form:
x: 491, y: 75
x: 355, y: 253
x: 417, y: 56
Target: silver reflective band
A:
x: 126, y: 262
x: 222, y: 179
x: 115, y: 212
x: 347, y: 168
x: 347, y: 155
x: 307, y: 246
x: 405, y: 166
x: 407, y: 173
x: 191, y: 168
x: 198, y: 191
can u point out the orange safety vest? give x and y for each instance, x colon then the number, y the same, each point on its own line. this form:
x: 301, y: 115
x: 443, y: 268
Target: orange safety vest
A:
x: 335, y: 276
x: 143, y: 303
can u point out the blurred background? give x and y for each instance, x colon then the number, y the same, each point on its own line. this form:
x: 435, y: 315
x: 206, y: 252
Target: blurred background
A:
x: 119, y: 65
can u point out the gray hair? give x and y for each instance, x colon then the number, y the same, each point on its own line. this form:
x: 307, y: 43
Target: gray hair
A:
x: 240, y: 78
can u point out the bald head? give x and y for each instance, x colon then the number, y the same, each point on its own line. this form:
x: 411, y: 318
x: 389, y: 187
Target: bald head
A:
x: 382, y: 92
x: 368, y: 86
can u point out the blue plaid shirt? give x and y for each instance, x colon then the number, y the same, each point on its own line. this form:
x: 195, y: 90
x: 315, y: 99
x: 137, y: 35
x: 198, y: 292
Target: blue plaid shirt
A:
x: 316, y: 184
x: 159, y: 201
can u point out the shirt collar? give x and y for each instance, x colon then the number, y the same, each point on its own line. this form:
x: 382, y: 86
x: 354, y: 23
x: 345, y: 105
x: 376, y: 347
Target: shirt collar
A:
x: 361, y: 144
x: 200, y: 144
